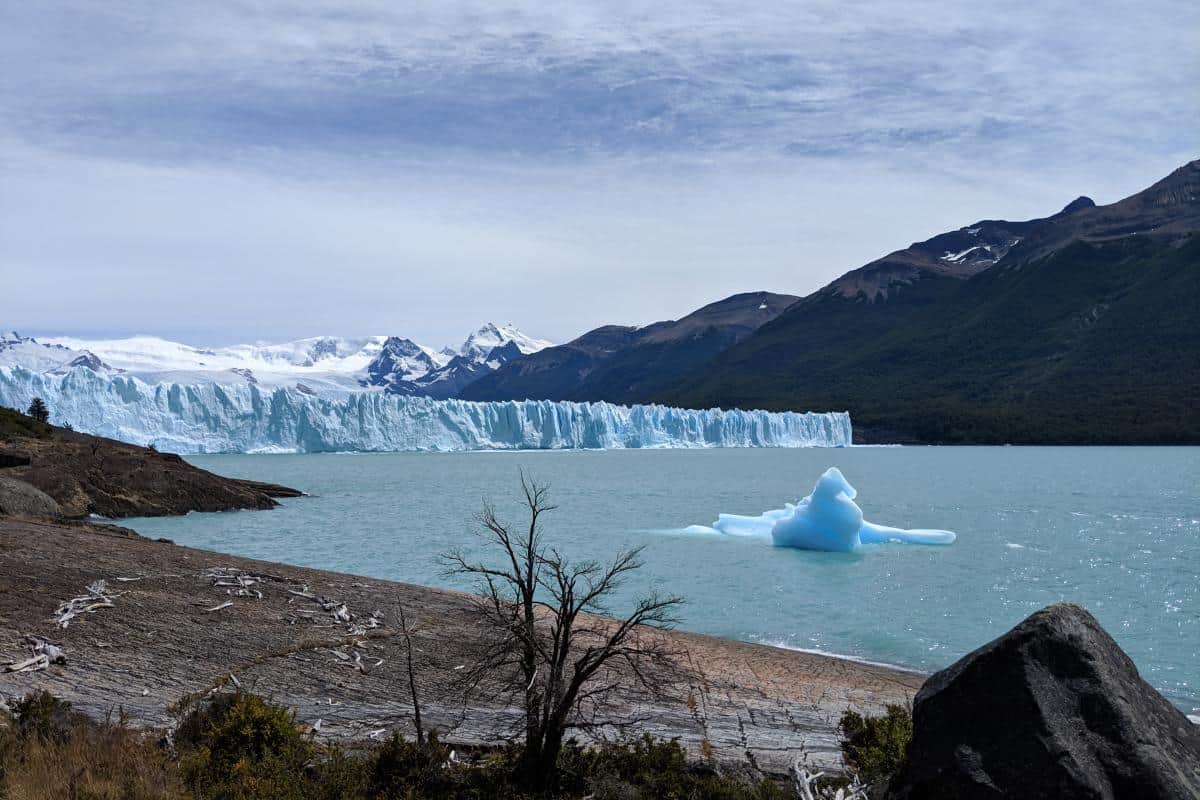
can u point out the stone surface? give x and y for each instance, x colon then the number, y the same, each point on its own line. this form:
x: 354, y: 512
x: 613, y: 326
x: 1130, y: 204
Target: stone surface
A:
x: 159, y: 642
x: 93, y: 475
x: 1053, y: 708
x: 20, y: 499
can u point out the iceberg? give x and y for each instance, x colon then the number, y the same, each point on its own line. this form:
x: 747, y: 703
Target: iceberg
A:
x: 244, y: 417
x: 828, y: 519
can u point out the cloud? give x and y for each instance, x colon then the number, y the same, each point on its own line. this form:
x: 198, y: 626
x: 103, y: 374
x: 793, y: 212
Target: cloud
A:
x: 567, y: 163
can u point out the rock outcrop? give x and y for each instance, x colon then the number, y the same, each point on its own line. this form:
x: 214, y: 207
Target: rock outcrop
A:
x: 93, y: 475
x: 1053, y: 708
x: 20, y: 499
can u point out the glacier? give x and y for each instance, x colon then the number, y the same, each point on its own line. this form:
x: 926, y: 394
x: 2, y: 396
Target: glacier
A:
x: 828, y: 519
x: 210, y: 417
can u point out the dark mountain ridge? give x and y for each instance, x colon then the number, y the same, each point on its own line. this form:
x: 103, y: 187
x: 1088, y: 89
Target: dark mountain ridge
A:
x: 1084, y: 330
x: 623, y: 364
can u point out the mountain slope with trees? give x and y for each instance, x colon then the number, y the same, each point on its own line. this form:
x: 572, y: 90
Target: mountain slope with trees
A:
x: 1084, y: 331
x: 624, y: 364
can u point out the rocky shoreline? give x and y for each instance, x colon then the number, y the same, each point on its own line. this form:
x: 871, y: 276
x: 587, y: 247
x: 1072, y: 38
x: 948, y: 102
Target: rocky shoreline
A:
x: 106, y: 619
x: 169, y: 633
x: 90, y: 475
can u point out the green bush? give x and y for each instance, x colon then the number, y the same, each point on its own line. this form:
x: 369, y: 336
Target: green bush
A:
x: 405, y: 769
x: 342, y: 776
x: 44, y: 715
x: 653, y: 769
x: 242, y: 747
x: 875, y: 747
x: 245, y: 748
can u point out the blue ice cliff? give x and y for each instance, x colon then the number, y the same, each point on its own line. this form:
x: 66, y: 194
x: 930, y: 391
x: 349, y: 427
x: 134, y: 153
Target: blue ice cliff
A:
x: 243, y: 417
x: 828, y: 519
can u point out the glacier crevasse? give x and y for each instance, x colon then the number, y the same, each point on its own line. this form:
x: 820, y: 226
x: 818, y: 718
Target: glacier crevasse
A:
x: 222, y: 418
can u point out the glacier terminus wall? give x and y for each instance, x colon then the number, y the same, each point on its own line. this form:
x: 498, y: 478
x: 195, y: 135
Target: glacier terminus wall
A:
x: 244, y: 418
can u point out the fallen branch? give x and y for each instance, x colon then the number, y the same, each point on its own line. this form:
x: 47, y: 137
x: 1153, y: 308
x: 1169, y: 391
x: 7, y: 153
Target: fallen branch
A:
x: 97, y: 597
x: 44, y: 654
x: 806, y: 786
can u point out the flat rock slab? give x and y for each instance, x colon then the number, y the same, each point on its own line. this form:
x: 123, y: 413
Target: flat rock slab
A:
x: 161, y: 640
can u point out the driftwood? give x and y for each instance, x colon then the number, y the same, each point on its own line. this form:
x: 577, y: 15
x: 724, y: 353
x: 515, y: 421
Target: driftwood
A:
x: 806, y: 786
x: 339, y: 611
x: 97, y: 597
x: 758, y: 699
x: 44, y: 654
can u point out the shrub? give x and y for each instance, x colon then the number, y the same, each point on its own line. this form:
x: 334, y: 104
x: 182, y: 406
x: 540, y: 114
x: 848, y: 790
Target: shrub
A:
x: 875, y: 746
x: 342, y: 776
x: 405, y: 769
x: 245, y: 748
x: 43, y: 715
x: 653, y: 768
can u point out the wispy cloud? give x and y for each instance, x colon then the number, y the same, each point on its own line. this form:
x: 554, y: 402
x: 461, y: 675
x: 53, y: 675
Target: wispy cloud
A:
x: 675, y: 137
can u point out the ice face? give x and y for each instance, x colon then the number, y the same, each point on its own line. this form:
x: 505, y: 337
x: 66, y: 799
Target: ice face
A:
x: 245, y: 417
x: 828, y: 519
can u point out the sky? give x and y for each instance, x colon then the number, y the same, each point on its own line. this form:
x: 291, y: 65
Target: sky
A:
x: 237, y: 171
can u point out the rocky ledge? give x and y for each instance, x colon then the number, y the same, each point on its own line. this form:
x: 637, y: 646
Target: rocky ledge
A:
x: 168, y: 622
x: 91, y: 475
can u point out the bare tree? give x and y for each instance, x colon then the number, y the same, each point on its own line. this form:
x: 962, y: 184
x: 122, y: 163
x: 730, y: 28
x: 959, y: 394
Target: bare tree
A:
x: 547, y: 646
x: 407, y: 632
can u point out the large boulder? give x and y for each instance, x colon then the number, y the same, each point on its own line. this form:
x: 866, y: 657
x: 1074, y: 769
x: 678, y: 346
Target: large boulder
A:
x: 20, y: 499
x: 1053, y: 708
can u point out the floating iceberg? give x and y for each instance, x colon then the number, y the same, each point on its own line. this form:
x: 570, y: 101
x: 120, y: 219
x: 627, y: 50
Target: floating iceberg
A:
x: 828, y: 519
x: 244, y: 417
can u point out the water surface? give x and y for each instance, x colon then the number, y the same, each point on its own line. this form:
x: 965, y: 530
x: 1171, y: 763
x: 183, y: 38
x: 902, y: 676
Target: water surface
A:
x: 1115, y: 529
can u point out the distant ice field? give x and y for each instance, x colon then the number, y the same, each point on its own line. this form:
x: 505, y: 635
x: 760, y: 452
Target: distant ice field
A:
x: 1115, y: 529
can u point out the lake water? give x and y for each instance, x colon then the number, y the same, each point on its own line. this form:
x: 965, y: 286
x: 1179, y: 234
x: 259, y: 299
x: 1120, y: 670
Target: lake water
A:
x: 1114, y: 529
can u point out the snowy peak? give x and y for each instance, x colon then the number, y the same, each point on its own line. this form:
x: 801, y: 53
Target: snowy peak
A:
x: 28, y: 352
x: 401, y: 360
x: 480, y: 343
x: 88, y: 360
x: 325, y: 365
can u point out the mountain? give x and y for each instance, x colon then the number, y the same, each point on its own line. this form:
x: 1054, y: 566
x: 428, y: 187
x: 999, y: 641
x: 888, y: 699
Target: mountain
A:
x: 399, y: 363
x: 322, y: 365
x: 621, y: 364
x: 1080, y: 327
x: 484, y: 352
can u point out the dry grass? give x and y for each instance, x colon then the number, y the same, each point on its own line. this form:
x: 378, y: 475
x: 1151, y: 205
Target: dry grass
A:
x: 89, y: 761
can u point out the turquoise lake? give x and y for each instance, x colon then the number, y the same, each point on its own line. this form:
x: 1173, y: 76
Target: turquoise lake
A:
x: 1114, y: 529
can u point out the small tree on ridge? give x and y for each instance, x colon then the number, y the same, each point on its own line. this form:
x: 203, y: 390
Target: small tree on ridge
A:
x: 38, y: 410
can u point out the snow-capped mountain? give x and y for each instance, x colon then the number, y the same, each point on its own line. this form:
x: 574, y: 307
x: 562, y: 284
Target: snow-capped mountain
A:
x: 32, y: 354
x: 484, y: 352
x: 321, y: 365
x: 482, y: 342
x: 399, y: 363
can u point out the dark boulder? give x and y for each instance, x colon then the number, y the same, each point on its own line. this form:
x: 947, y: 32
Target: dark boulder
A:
x: 1055, y: 709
